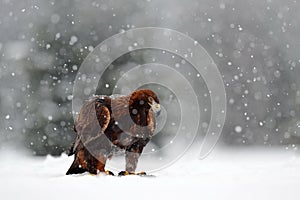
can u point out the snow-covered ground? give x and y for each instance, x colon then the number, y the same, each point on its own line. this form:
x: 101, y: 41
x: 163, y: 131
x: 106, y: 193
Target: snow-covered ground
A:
x: 225, y: 174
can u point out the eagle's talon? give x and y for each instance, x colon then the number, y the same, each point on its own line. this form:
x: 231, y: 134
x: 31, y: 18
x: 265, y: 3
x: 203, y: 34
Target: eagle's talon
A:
x: 125, y: 173
x: 107, y: 172
x: 141, y: 173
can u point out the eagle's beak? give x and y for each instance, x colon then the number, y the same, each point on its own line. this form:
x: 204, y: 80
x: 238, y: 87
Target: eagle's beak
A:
x: 155, y: 107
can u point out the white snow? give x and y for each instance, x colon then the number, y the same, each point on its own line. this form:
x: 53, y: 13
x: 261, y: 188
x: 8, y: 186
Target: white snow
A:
x: 238, y: 129
x: 73, y: 40
x: 225, y: 174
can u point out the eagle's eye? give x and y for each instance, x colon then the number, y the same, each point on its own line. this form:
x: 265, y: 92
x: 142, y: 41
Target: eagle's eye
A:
x: 150, y: 99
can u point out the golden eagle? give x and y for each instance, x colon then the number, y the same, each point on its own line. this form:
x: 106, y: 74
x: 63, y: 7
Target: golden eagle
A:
x: 106, y: 122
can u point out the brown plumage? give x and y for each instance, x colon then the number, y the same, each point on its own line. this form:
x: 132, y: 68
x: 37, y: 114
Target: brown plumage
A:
x: 104, y: 122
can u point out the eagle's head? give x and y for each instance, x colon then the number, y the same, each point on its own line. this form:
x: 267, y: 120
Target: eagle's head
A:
x: 145, y: 99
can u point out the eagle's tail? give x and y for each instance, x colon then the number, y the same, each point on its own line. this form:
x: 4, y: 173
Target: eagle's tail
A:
x: 75, y: 168
x: 70, y: 151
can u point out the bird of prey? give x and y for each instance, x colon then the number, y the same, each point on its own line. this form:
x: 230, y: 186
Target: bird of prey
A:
x: 105, y: 122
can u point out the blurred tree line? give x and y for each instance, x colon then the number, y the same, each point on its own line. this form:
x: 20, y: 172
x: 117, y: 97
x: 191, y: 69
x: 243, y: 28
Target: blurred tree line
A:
x: 254, y: 43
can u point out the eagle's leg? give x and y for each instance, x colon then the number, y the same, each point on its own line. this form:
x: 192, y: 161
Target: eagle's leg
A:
x: 131, y: 164
x: 101, y: 168
x: 131, y: 161
x: 101, y: 161
x: 131, y: 157
x: 98, y: 149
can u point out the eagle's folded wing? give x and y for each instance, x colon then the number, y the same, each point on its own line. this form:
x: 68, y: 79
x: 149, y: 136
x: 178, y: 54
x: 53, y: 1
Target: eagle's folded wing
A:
x: 91, y: 123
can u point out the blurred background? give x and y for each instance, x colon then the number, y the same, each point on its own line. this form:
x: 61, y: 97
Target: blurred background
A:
x: 254, y: 43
